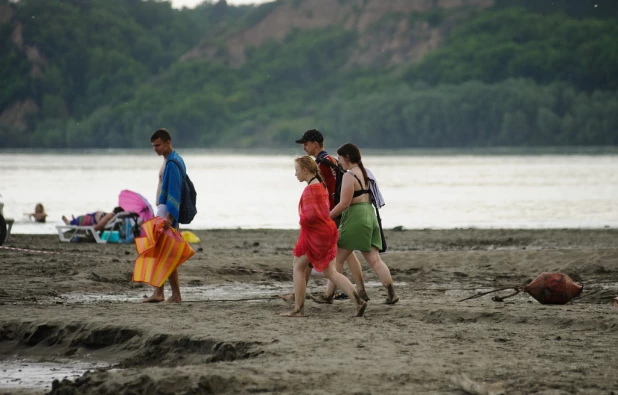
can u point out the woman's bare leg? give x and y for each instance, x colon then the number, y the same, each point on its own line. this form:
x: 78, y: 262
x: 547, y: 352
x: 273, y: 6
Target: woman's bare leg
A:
x: 357, y: 274
x: 289, y: 298
x: 340, y: 281
x: 300, y: 286
x: 65, y: 220
x: 379, y: 267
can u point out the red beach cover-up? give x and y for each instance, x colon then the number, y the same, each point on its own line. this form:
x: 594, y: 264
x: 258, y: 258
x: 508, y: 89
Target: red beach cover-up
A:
x: 318, y: 232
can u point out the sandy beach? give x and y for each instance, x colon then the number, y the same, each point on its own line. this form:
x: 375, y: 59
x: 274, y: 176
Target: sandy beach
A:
x: 227, y: 336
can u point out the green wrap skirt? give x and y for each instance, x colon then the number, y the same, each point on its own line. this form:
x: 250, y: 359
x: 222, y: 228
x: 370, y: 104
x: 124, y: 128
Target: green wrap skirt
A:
x: 359, y: 228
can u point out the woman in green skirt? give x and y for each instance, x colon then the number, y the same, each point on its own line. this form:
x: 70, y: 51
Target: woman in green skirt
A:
x: 359, y: 228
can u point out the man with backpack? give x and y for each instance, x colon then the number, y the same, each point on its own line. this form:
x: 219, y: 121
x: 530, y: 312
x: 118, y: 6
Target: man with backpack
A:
x: 172, y: 177
x: 313, y: 144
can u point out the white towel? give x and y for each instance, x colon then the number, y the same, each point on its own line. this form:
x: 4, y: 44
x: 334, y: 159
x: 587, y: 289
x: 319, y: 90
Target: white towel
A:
x: 375, y: 190
x: 161, y: 211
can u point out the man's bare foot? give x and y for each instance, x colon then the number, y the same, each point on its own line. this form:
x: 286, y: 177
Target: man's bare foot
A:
x: 174, y: 299
x: 288, y: 298
x: 65, y: 220
x: 322, y: 298
x: 360, y: 309
x: 361, y: 305
x: 363, y: 295
x: 391, y: 298
x: 153, y: 299
x: 295, y: 313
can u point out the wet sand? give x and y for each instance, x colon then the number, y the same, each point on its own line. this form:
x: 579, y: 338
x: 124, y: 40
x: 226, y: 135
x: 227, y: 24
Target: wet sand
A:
x: 227, y: 336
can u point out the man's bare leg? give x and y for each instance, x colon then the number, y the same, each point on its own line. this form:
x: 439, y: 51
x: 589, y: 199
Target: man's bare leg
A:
x: 174, y: 284
x: 65, y: 220
x: 357, y: 275
x: 327, y: 297
x: 340, y: 281
x: 300, y: 286
x: 157, y: 296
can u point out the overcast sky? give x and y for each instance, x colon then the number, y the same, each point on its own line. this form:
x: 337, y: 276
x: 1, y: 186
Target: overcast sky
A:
x: 193, y: 3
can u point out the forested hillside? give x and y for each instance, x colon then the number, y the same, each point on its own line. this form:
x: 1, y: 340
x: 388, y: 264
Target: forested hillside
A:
x: 463, y: 73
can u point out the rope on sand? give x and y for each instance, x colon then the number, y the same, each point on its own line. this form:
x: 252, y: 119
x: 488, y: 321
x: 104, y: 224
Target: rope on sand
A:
x: 37, y: 251
x: 495, y: 298
x: 269, y: 298
x: 28, y: 250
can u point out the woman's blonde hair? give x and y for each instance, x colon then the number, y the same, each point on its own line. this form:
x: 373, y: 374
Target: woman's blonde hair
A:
x: 307, y: 162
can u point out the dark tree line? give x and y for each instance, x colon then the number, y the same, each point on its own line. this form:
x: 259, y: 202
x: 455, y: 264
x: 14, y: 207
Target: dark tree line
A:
x: 508, y: 76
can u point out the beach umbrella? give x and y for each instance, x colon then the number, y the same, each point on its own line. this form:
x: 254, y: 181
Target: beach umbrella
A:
x: 134, y: 202
x: 160, y: 251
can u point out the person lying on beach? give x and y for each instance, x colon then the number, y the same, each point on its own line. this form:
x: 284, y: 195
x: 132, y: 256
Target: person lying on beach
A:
x: 317, y: 242
x: 97, y: 219
x: 39, y: 214
x: 359, y: 229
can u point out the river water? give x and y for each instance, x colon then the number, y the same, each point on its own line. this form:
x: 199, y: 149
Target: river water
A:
x: 259, y: 190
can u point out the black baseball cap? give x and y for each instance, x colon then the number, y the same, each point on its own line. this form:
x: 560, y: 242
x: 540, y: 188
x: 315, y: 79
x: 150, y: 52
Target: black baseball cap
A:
x: 311, y: 135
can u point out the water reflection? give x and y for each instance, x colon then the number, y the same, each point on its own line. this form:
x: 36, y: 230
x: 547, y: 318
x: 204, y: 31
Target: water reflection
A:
x: 28, y: 374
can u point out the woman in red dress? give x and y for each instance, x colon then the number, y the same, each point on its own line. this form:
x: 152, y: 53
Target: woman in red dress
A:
x: 317, y: 242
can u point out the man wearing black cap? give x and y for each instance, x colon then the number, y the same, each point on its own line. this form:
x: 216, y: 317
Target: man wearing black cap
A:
x: 313, y: 145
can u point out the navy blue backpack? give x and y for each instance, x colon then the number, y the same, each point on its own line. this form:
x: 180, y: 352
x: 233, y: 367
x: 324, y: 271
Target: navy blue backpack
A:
x: 188, y: 198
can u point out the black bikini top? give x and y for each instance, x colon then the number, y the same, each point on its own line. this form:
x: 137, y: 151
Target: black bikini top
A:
x: 360, y: 192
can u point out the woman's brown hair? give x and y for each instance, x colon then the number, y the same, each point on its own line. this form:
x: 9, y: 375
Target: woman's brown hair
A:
x: 353, y: 155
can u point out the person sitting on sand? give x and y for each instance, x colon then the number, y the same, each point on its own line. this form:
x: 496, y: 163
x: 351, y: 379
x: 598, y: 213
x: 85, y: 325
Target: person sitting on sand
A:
x: 359, y: 229
x: 97, y: 219
x: 39, y: 214
x: 317, y: 242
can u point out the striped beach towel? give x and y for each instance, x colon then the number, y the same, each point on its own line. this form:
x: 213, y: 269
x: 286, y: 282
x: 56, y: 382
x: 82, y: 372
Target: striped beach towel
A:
x: 160, y: 253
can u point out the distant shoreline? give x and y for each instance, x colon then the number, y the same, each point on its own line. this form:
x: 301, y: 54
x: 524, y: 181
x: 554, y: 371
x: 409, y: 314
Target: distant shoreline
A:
x: 437, y: 238
x: 294, y: 149
x: 395, y: 229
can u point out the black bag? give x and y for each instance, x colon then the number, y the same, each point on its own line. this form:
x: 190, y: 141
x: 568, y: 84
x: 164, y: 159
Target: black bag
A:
x: 188, y: 198
x: 375, y: 204
x: 129, y: 228
x: 338, y: 177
